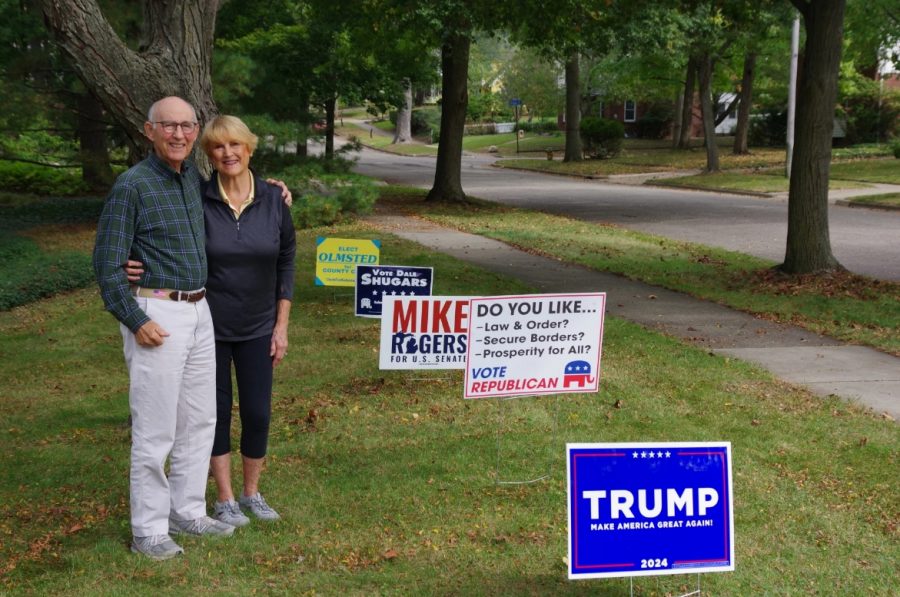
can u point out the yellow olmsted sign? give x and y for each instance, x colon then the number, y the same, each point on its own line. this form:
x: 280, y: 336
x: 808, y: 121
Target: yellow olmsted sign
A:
x: 337, y: 258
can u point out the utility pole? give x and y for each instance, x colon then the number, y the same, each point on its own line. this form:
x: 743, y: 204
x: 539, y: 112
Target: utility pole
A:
x: 792, y: 94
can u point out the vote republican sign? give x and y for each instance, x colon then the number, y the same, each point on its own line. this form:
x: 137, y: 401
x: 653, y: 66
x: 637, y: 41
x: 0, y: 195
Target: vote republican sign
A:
x: 640, y: 509
x: 534, y: 344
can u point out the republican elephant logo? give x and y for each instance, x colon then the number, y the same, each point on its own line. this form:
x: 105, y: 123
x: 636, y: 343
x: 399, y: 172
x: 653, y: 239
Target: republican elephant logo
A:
x: 578, y: 374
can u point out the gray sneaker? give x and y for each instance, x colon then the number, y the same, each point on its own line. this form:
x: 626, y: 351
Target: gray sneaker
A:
x: 156, y: 547
x: 258, y: 507
x: 204, y: 525
x: 229, y: 512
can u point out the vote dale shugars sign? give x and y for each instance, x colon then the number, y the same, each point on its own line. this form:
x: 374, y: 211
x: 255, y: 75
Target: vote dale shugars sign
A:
x: 337, y: 258
x: 374, y: 283
x: 534, y: 344
x: 424, y: 332
x: 640, y: 509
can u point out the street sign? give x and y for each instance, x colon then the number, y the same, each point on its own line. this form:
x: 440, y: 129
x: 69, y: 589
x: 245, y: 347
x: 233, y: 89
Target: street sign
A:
x: 515, y: 102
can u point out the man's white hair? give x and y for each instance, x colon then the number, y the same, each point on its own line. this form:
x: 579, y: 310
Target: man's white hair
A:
x: 151, y: 113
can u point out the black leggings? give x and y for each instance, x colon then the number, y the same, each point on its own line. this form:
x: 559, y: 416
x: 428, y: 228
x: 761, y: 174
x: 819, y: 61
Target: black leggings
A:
x: 253, y: 370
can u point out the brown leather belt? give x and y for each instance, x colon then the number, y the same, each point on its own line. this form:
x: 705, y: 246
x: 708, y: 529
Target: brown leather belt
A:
x: 171, y: 295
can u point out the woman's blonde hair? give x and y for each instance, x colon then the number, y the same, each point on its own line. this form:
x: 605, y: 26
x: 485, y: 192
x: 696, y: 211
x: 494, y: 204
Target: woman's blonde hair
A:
x: 223, y: 129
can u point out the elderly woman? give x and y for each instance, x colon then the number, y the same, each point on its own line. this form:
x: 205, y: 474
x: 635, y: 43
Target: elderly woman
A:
x: 250, y: 248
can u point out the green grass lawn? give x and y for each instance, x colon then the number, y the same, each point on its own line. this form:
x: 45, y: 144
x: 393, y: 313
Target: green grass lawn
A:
x: 852, y: 308
x: 885, y: 199
x: 384, y: 142
x: 875, y: 170
x: 593, y: 168
x: 385, y: 480
x: 761, y: 182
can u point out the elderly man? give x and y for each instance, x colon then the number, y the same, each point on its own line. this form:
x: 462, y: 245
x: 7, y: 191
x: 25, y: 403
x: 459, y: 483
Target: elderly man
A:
x: 154, y: 213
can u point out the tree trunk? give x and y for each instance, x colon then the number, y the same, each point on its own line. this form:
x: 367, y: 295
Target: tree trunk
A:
x: 743, y: 118
x: 95, y: 170
x: 329, y: 127
x: 404, y: 115
x: 574, y: 152
x: 687, y: 106
x: 677, y: 121
x: 709, y: 118
x: 174, y: 58
x: 808, y: 239
x: 454, y: 100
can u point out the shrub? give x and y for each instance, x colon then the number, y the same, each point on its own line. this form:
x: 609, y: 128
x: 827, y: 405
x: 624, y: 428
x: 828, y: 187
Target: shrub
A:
x: 895, y: 147
x: 23, y: 177
x: 322, y: 197
x: 28, y: 274
x: 480, y: 129
x: 768, y: 128
x: 655, y: 121
x: 602, y: 137
x: 871, y: 115
x: 539, y: 126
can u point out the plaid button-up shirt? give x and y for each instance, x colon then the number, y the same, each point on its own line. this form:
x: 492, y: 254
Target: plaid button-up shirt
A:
x: 155, y: 215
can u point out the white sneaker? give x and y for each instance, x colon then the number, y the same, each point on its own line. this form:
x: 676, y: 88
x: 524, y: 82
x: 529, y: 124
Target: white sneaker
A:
x: 156, y: 547
x: 204, y: 525
x: 258, y: 507
x: 229, y: 512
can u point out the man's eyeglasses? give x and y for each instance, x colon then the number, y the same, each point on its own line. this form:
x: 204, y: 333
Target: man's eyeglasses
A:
x: 186, y: 127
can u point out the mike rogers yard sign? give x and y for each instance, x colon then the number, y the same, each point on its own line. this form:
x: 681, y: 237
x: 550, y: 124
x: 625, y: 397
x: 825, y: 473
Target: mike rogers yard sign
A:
x: 644, y: 509
x: 424, y: 332
x: 534, y: 344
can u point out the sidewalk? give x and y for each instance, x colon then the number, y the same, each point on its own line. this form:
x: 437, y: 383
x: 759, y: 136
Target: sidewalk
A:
x: 823, y: 365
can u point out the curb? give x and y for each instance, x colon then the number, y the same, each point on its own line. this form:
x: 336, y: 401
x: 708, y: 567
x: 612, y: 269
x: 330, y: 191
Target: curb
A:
x: 760, y: 194
x: 860, y: 205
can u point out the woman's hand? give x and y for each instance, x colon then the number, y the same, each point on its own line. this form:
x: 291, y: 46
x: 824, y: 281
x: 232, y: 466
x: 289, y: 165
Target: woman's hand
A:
x: 279, y: 346
x: 134, y: 269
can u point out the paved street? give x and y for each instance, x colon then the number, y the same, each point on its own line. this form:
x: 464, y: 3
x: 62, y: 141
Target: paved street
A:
x: 865, y: 241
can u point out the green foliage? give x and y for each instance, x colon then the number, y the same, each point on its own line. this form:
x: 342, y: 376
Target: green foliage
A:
x: 484, y: 106
x: 656, y: 120
x: 895, y: 147
x: 41, y: 180
x: 326, y: 192
x: 539, y: 126
x: 423, y: 120
x: 871, y: 114
x: 27, y: 272
x: 768, y: 128
x: 602, y: 137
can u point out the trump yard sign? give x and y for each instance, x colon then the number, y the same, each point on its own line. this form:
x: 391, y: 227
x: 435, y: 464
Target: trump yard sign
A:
x: 649, y: 508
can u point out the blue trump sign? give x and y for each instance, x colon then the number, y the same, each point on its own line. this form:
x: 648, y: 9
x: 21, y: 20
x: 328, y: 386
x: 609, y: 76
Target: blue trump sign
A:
x: 643, y: 509
x: 376, y: 282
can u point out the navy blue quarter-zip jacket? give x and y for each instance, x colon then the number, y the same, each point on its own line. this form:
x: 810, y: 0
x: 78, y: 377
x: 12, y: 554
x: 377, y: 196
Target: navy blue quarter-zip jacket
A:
x: 251, y: 261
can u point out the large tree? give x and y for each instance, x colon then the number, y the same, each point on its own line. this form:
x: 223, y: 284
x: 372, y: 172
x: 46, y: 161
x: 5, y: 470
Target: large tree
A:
x: 174, y: 57
x: 808, y: 239
x: 450, y: 25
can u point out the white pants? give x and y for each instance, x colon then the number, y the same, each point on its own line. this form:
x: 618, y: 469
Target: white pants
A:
x: 173, y: 414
